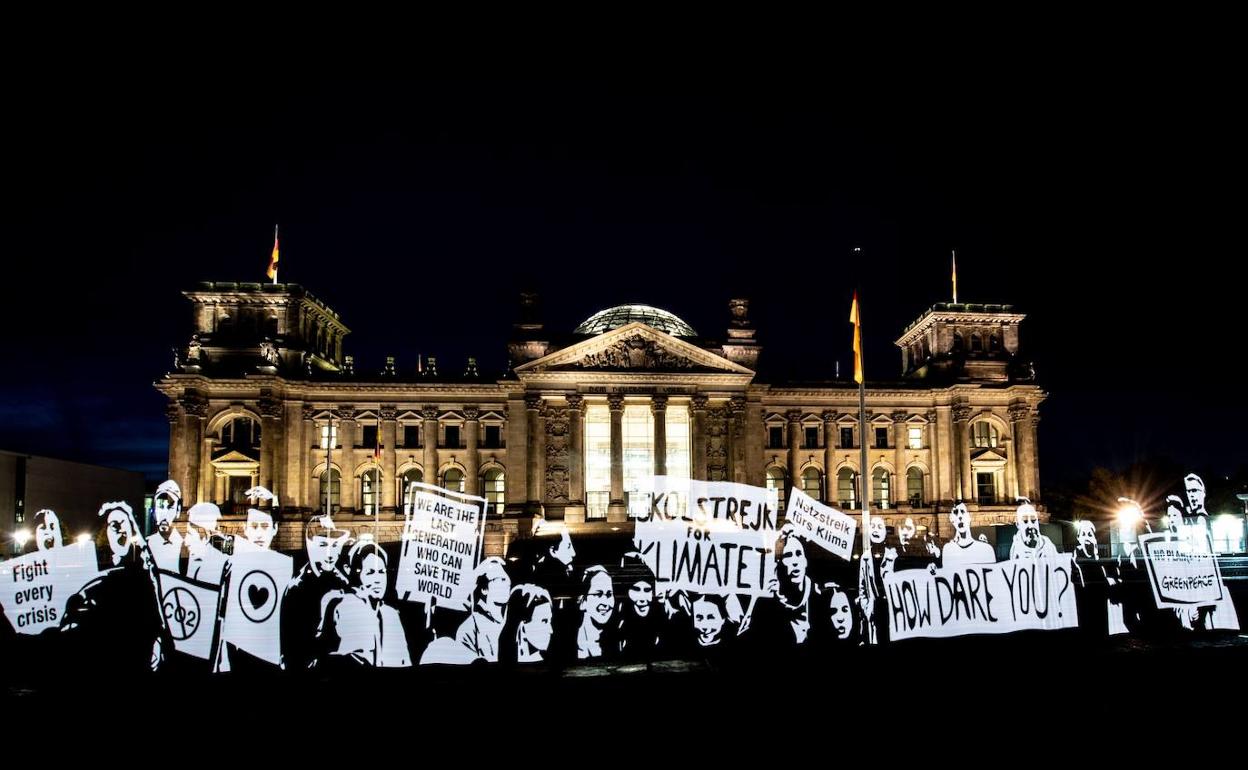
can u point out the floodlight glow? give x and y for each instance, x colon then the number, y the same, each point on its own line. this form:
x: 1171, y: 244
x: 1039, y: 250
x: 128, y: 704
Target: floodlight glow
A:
x: 22, y: 536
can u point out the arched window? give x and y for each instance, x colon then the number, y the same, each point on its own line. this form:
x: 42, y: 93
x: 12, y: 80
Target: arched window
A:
x: 241, y: 432
x: 333, y: 480
x: 914, y: 487
x: 985, y: 435
x: 847, y: 488
x: 453, y: 480
x: 370, y: 485
x: 775, y: 483
x: 958, y: 344
x: 977, y: 343
x: 492, y: 485
x: 880, y: 491
x: 410, y: 476
x: 812, y: 482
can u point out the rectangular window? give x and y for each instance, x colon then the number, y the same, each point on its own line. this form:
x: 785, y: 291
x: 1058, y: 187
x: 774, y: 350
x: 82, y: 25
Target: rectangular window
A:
x: 775, y: 437
x: 847, y: 438
x: 678, y: 456
x: 812, y: 438
x: 597, y: 461
x: 452, y: 437
x: 986, y: 486
x: 368, y: 436
x: 915, y: 438
x: 329, y: 435
x: 411, y: 436
x: 881, y: 438
x: 493, y: 437
x: 638, y: 434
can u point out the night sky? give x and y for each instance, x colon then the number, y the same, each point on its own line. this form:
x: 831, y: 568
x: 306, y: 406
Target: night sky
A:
x: 1097, y: 203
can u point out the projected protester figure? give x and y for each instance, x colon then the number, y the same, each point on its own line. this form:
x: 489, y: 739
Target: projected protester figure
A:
x: 479, y: 633
x: 784, y: 618
x: 1091, y: 583
x: 1129, y: 584
x: 48, y: 534
x: 200, y: 559
x: 166, y: 542
x: 842, y: 626
x: 878, y: 563
x: 595, y: 637
x: 713, y: 629
x: 963, y: 548
x: 1196, y: 517
x: 301, y: 601
x: 912, y: 552
x: 527, y: 631
x: 640, y: 621
x: 357, y: 626
x: 553, y: 569
x: 260, y: 528
x: 113, y: 625
x: 1029, y: 542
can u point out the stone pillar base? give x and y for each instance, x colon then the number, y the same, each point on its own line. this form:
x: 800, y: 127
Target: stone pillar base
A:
x: 617, y: 512
x: 574, y: 513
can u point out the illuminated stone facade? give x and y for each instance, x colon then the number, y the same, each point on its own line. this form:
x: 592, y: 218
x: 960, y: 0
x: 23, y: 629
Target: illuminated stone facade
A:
x: 262, y: 388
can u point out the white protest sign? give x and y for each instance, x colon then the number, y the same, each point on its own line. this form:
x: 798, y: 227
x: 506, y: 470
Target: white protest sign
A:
x: 190, y: 610
x: 821, y: 524
x: 1024, y: 594
x: 442, y: 537
x: 34, y: 587
x: 1181, y: 575
x: 709, y: 536
x: 252, y: 609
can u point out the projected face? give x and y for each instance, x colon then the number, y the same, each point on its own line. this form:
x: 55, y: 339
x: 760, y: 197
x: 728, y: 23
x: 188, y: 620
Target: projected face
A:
x: 793, y: 561
x: 1028, y: 523
x: 878, y: 530
x: 117, y: 527
x: 1195, y: 494
x: 960, y: 517
x: 906, y: 533
x: 197, y: 538
x: 1086, y: 537
x: 499, y: 586
x: 166, y: 512
x: 840, y: 614
x: 536, y: 633
x: 324, y: 552
x: 48, y: 532
x: 260, y: 528
x: 641, y: 594
x: 373, y: 576
x: 600, y: 600
x: 708, y: 622
x: 564, y: 552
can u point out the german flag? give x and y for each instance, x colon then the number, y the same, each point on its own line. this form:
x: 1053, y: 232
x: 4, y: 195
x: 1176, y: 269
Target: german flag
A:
x: 272, y: 272
x: 854, y: 319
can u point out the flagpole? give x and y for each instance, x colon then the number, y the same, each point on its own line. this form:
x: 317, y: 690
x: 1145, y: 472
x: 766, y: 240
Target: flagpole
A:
x: 275, y: 267
x: 955, y: 275
x: 866, y: 569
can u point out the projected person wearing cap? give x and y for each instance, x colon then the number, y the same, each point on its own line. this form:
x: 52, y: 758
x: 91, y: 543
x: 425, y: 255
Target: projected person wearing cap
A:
x: 1029, y: 542
x: 113, y: 623
x: 166, y: 542
x: 963, y: 548
x: 301, y: 601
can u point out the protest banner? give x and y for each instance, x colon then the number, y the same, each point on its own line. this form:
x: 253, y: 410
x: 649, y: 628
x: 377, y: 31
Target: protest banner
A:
x: 190, y: 611
x: 442, y: 535
x: 35, y: 587
x: 821, y: 524
x: 253, y: 605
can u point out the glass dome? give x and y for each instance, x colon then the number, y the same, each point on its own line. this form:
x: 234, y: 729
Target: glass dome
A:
x: 621, y: 315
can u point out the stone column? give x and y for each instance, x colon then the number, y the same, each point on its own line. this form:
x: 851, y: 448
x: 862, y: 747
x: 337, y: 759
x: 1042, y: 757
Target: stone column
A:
x: 429, y: 444
x: 346, y: 437
x: 174, y: 414
x: 308, y: 487
x: 697, y: 407
x: 1008, y: 444
x: 902, y: 493
x: 576, y: 452
x: 270, y: 436
x: 794, y: 417
x: 658, y: 408
x: 388, y: 415
x: 204, y: 482
x: 829, y: 456
x: 736, y: 408
x: 194, y: 410
x: 220, y: 486
x: 533, y: 444
x: 472, y: 460
x: 931, y: 486
x: 616, y: 510
x: 962, y: 448
x: 1033, y: 455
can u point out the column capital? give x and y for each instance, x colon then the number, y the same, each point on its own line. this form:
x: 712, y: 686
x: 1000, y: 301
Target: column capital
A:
x: 194, y: 406
x: 308, y: 412
x: 532, y: 401
x: 737, y: 404
x: 1020, y: 412
x: 270, y: 408
x: 899, y: 417
x: 429, y: 412
x: 931, y: 416
x: 388, y: 412
x: 172, y: 411
x: 576, y: 401
x: 698, y: 402
x: 345, y: 412
x: 615, y: 401
x: 793, y: 416
x: 658, y: 403
x: 829, y: 416
x: 472, y: 413
x: 962, y: 412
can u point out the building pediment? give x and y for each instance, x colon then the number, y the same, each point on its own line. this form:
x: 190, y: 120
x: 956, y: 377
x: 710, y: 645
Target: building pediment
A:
x: 231, y: 456
x: 985, y: 456
x: 633, y: 347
